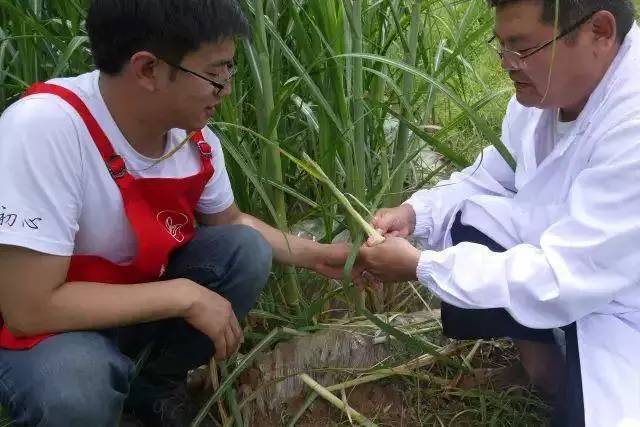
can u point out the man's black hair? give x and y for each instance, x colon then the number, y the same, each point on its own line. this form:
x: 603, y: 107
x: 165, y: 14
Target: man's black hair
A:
x: 168, y: 28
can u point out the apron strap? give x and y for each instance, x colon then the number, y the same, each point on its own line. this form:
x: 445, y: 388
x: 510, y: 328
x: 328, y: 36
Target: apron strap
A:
x: 206, y: 152
x: 115, y: 164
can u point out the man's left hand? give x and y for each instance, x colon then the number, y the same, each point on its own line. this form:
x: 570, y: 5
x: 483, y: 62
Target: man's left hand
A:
x: 395, y: 260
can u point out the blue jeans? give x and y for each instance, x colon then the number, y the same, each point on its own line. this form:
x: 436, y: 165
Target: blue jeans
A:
x: 82, y: 379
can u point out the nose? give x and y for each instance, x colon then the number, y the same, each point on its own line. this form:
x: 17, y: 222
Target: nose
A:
x: 226, y: 73
x: 511, y: 61
x: 226, y: 91
x: 508, y: 64
x: 225, y: 78
x: 504, y: 63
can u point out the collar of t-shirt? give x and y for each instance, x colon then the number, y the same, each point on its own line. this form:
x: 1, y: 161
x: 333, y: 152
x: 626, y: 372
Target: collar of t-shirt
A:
x: 559, y: 131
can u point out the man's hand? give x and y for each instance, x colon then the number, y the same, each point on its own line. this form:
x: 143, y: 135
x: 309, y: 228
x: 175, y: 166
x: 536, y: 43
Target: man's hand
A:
x: 330, y: 259
x: 212, y: 315
x: 395, y: 260
x: 395, y: 222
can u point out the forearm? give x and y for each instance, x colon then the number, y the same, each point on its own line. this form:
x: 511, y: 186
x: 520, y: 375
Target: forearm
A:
x: 287, y: 248
x: 540, y: 287
x: 95, y: 306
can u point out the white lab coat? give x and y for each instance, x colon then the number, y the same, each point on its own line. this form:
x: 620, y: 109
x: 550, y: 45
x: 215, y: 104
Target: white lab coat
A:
x: 572, y: 229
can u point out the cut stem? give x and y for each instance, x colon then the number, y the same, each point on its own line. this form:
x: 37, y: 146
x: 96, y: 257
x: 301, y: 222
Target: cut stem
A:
x: 331, y: 398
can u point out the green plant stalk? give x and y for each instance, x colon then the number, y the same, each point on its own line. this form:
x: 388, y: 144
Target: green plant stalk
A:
x: 356, y: 165
x: 319, y: 174
x: 359, y: 137
x: 403, y: 140
x: 337, y: 84
x: 231, y: 399
x: 272, y: 167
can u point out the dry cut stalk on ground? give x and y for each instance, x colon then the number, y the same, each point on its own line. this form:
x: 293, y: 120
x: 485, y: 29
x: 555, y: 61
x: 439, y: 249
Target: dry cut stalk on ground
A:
x: 329, y: 356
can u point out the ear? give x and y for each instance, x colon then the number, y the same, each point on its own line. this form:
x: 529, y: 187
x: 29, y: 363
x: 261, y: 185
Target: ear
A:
x: 603, y: 30
x: 146, y: 69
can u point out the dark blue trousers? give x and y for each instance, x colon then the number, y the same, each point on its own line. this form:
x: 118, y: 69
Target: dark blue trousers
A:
x: 466, y: 324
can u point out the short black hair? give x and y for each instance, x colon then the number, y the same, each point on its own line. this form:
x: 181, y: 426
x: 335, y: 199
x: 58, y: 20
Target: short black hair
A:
x: 168, y: 28
x: 571, y: 11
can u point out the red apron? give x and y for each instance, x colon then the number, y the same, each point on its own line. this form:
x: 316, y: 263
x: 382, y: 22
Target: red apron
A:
x: 161, y: 212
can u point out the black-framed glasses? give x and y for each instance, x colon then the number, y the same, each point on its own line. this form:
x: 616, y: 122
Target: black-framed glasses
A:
x: 219, y: 86
x: 516, y: 60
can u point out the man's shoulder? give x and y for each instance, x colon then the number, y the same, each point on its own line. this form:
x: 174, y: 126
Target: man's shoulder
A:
x: 46, y: 111
x: 39, y: 123
x: 36, y: 113
x: 84, y: 85
x: 46, y: 116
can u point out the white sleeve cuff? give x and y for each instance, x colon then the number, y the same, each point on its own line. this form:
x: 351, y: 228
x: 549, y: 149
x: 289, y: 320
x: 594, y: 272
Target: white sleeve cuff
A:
x: 45, y: 246
x: 424, y: 218
x: 427, y: 267
x: 423, y: 271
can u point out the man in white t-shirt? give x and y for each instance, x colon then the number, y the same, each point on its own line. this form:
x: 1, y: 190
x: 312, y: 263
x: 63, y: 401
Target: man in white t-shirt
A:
x: 543, y: 247
x: 99, y: 249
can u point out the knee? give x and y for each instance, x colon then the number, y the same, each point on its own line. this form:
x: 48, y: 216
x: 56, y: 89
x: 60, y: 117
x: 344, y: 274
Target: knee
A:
x: 77, y: 387
x: 254, y: 254
x: 86, y: 404
x: 237, y: 251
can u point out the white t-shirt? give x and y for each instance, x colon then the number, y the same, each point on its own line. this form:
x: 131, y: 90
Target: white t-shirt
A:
x: 56, y: 195
x: 558, y: 131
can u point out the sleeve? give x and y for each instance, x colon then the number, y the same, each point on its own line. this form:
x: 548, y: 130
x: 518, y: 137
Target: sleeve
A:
x: 217, y: 195
x: 586, y: 259
x: 489, y: 175
x: 40, y: 176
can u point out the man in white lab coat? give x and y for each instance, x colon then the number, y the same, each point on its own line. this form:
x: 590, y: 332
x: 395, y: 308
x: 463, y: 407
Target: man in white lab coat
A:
x: 549, y: 253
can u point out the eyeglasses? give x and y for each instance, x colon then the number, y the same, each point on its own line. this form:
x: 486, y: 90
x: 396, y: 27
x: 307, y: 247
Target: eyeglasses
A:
x: 516, y: 60
x: 219, y: 86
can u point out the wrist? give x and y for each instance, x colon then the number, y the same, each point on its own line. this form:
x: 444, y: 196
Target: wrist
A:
x: 409, y: 214
x: 412, y: 267
x: 187, y: 296
x: 309, y: 255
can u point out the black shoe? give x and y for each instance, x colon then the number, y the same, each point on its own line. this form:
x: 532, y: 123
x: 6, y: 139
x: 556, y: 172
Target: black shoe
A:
x: 177, y: 410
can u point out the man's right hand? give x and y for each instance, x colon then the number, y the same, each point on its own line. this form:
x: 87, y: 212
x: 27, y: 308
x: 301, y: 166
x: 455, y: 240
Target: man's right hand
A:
x: 395, y: 222
x: 213, y: 315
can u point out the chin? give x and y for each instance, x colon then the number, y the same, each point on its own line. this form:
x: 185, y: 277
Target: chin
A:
x: 529, y: 100
x: 196, y: 125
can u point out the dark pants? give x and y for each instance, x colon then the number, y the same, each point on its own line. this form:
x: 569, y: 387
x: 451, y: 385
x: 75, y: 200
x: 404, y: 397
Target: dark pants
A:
x: 465, y: 324
x: 82, y: 379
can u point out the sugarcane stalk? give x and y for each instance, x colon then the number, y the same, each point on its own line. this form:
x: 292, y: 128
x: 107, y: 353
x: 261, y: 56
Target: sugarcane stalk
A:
x: 359, y: 135
x: 374, y: 235
x: 403, y: 139
x: 331, y: 398
x: 272, y: 166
